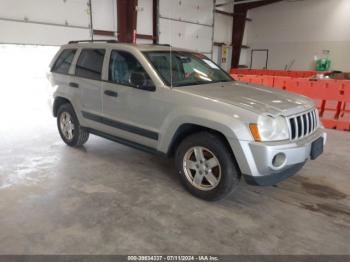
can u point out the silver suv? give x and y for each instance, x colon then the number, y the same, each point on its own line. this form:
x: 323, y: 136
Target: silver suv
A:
x: 180, y: 104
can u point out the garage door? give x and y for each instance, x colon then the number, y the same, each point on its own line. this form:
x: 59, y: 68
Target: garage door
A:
x: 187, y: 24
x: 53, y: 22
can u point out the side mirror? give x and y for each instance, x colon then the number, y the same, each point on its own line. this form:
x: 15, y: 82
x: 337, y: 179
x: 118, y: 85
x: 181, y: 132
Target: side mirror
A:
x: 139, y: 81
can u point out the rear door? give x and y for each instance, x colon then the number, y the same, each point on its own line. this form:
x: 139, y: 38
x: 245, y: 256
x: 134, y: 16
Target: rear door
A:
x: 59, y: 73
x: 88, y: 74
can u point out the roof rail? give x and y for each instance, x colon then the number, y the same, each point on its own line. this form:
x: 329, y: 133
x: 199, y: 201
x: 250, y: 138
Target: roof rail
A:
x: 163, y: 44
x: 92, y: 41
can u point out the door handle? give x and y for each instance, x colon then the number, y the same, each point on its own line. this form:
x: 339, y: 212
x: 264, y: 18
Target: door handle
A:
x: 111, y: 93
x: 72, y: 84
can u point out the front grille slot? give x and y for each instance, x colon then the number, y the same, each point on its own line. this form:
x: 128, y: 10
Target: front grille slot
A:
x: 302, y: 125
x: 299, y: 126
x: 309, y: 122
x: 292, y: 128
x: 305, y: 132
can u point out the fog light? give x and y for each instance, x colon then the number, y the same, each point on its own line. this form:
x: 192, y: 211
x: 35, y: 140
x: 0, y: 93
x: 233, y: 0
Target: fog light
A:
x: 279, y: 160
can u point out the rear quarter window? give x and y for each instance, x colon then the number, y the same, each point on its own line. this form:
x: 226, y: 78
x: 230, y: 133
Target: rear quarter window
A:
x: 64, y: 61
x: 90, y: 63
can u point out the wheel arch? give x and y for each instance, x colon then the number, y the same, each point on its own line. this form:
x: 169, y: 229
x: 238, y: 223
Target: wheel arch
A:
x: 57, y: 103
x: 188, y: 129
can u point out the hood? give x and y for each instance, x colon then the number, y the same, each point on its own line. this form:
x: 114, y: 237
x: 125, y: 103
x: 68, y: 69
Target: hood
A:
x: 252, y: 97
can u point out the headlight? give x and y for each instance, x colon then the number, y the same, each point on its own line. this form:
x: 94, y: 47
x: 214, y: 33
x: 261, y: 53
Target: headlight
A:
x: 270, y: 128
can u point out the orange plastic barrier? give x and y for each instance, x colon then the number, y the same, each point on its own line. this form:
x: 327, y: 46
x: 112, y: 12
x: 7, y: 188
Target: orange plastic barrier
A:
x: 294, y: 74
x: 268, y: 81
x: 256, y: 80
x: 332, y: 97
x: 313, y: 90
x: 245, y: 78
x: 330, y: 92
x: 343, y: 116
x: 280, y: 82
x: 292, y: 85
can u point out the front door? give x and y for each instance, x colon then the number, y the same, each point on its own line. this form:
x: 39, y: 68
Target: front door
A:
x: 131, y: 113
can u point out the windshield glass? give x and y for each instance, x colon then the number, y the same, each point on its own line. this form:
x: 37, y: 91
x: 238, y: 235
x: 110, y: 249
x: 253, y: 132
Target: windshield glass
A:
x: 187, y: 68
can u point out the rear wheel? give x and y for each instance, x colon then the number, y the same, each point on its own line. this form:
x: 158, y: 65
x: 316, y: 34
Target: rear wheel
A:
x: 206, y: 166
x: 69, y: 128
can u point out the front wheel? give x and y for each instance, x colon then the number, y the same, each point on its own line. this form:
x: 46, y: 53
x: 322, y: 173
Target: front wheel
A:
x: 69, y: 128
x: 206, y: 166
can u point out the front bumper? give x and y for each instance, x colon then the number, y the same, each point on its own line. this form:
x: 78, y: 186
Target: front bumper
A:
x: 257, y: 162
x: 274, y: 178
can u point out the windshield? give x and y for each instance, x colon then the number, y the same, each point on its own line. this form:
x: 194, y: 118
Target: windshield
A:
x: 187, y: 68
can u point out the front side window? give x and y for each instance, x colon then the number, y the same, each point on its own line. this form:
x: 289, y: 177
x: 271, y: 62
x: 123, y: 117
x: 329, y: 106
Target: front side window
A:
x: 186, y: 68
x: 124, y: 67
x: 90, y: 63
x: 64, y: 61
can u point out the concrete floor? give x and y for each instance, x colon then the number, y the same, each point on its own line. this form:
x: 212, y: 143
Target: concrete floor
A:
x: 109, y: 199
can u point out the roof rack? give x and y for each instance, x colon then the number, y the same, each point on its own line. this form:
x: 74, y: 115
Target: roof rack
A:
x: 163, y: 44
x: 92, y: 41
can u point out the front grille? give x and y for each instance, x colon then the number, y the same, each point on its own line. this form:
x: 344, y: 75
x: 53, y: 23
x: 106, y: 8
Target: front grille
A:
x: 303, y: 124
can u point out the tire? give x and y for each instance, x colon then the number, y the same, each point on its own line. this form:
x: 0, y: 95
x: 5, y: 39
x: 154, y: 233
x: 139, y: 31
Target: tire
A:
x: 78, y: 135
x: 214, y: 151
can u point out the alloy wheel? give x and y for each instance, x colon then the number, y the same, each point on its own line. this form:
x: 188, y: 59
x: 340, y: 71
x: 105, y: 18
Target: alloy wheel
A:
x: 202, y: 168
x: 67, y: 125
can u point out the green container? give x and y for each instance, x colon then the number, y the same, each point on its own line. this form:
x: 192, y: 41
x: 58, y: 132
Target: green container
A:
x: 323, y: 64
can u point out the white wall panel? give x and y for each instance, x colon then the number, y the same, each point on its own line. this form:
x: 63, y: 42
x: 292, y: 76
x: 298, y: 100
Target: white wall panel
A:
x: 25, y: 33
x: 144, y: 41
x: 74, y: 12
x: 226, y: 7
x: 223, y: 28
x: 187, y: 24
x: 215, y: 57
x: 145, y: 17
x: 103, y: 37
x: 53, y: 22
x: 185, y: 35
x: 196, y: 11
x: 104, y: 15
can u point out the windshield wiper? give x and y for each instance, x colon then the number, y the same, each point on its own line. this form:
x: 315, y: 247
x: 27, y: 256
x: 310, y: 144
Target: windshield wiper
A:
x: 224, y: 81
x: 187, y: 84
x: 200, y: 83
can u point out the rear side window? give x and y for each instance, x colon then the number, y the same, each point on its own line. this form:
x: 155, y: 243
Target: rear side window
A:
x: 90, y: 63
x: 64, y: 61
